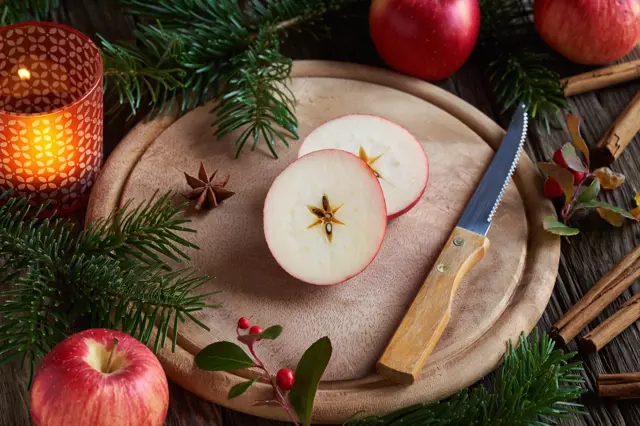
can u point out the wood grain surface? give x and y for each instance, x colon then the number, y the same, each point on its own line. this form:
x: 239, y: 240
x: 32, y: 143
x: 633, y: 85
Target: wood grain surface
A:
x: 584, y: 259
x: 501, y: 297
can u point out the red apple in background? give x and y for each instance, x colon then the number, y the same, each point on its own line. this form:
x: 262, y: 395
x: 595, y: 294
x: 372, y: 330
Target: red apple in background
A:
x: 589, y: 31
x: 430, y: 39
x: 99, y: 377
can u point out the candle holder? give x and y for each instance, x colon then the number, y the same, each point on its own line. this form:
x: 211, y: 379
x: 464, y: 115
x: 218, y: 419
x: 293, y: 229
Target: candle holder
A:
x: 51, y: 114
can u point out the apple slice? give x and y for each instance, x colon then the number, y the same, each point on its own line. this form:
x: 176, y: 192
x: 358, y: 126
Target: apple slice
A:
x: 325, y: 217
x: 394, y: 154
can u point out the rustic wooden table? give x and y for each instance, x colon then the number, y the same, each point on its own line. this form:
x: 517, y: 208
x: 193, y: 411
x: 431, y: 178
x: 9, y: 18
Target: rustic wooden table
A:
x: 584, y: 259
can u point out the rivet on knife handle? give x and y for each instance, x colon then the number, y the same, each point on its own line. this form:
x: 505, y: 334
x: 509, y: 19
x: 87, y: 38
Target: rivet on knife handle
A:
x: 429, y: 314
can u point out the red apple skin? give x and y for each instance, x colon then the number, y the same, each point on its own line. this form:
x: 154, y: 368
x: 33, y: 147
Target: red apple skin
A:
x: 426, y: 159
x: 591, y: 32
x: 68, y: 391
x: 429, y: 39
x: 410, y: 206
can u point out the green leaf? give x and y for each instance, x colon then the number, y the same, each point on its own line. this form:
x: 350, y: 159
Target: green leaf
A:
x: 571, y: 158
x: 240, y: 388
x: 603, y: 205
x: 223, y: 356
x: 591, y: 192
x: 271, y: 333
x: 307, y: 377
x: 554, y: 226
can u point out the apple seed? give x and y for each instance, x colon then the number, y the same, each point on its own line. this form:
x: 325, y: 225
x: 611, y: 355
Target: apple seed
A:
x: 326, y: 217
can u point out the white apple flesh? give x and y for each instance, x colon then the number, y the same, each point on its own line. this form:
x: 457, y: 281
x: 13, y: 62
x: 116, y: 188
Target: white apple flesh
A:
x: 325, y: 217
x: 100, y: 377
x: 394, y: 154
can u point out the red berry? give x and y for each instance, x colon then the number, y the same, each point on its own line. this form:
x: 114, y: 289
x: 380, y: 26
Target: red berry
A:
x: 255, y: 330
x: 243, y: 323
x: 285, y: 379
x: 559, y: 159
x: 552, y: 188
x: 578, y: 177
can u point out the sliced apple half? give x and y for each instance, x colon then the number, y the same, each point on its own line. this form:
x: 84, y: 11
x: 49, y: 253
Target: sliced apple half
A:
x: 325, y: 217
x: 394, y: 155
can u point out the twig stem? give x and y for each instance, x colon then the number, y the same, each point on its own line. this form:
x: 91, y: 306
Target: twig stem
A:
x: 280, y: 398
x: 113, y: 351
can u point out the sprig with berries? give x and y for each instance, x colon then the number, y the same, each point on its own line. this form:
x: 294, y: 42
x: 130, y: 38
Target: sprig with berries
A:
x: 535, y: 384
x: 293, y: 392
x: 569, y: 176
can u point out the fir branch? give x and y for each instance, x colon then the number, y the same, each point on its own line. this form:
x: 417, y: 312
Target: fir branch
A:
x: 113, y: 274
x: 14, y: 11
x: 284, y: 15
x: 197, y: 51
x: 136, y: 299
x: 141, y: 234
x: 23, y: 239
x: 31, y: 323
x: 535, y: 386
x: 519, y: 67
x: 143, y: 74
x: 257, y: 98
x: 523, y: 76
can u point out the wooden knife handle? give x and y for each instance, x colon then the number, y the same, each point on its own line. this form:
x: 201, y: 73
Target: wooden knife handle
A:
x: 426, y: 319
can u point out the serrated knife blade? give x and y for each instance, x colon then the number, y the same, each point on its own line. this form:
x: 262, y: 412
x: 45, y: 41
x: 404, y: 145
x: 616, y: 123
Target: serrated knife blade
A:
x: 428, y: 315
x: 484, y: 202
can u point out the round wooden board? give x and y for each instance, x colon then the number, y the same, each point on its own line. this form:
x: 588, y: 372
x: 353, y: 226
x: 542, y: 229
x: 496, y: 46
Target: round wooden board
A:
x: 503, y: 295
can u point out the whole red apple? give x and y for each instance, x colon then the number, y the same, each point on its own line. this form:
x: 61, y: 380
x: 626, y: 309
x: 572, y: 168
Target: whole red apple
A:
x: 589, y: 31
x: 99, y: 377
x: 430, y: 39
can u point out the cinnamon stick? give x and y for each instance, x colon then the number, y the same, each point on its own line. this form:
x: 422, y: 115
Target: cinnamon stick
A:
x: 621, y: 132
x: 621, y: 386
x: 605, y: 291
x: 600, y: 78
x: 614, y: 325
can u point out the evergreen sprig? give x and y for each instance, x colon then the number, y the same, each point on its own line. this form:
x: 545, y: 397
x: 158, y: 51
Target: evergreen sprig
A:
x: 114, y: 274
x: 12, y: 11
x: 535, y: 385
x: 190, y: 52
x: 520, y: 68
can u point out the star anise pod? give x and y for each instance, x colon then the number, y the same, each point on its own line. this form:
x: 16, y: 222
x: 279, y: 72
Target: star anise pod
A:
x: 209, y: 191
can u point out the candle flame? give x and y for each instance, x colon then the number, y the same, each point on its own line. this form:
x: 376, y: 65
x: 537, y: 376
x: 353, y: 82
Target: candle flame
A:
x: 24, y: 74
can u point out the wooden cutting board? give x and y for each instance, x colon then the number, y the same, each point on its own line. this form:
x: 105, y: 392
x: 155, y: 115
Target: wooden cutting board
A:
x: 502, y: 296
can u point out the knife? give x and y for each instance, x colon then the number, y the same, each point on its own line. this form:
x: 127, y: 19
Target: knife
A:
x: 428, y: 315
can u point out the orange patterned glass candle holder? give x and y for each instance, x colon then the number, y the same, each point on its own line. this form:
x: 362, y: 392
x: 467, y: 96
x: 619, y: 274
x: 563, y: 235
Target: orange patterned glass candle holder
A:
x: 51, y: 114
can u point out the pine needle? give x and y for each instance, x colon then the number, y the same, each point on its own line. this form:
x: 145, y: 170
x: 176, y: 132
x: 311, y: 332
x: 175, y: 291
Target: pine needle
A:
x: 534, y: 387
x: 114, y: 274
x: 520, y: 68
x: 13, y: 11
x: 191, y: 52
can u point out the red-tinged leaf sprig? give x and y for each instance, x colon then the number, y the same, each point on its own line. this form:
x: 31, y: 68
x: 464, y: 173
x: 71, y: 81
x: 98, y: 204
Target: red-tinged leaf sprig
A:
x: 569, y: 175
x: 279, y: 394
x: 293, y: 392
